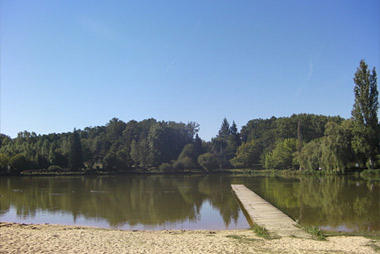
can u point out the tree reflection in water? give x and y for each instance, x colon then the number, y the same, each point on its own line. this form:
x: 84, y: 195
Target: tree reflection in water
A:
x: 155, y: 200
x: 192, y: 202
x: 338, y: 203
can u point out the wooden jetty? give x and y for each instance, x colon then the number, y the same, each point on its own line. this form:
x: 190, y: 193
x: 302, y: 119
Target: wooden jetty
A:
x: 264, y: 214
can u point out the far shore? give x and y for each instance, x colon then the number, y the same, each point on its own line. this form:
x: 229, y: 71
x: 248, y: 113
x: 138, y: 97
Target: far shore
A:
x: 366, y: 174
x: 31, y: 238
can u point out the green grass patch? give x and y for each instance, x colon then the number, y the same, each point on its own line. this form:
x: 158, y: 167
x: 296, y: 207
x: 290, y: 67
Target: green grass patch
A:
x: 241, y: 238
x: 316, y: 232
x: 261, y: 231
x: 236, y: 237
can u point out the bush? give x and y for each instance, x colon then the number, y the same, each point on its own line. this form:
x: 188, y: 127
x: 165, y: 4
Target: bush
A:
x: 166, y: 167
x: 208, y: 161
x: 179, y: 165
x: 188, y: 163
x: 20, y: 163
x: 54, y: 168
x: 247, y: 155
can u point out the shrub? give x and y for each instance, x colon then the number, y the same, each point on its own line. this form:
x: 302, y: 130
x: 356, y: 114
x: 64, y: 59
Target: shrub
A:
x: 166, y: 167
x: 54, y: 168
x: 208, y: 161
x: 20, y: 163
x: 179, y: 165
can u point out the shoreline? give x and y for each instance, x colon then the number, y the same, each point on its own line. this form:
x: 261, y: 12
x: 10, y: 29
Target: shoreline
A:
x: 365, y: 174
x: 32, y: 238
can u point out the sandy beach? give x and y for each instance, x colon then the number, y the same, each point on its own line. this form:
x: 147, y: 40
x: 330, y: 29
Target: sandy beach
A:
x: 29, y: 238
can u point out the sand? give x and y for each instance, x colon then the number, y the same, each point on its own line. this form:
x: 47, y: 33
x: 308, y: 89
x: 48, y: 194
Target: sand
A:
x: 24, y: 238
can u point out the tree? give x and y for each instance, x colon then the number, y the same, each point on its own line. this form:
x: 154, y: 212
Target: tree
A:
x: 233, y: 141
x: 166, y: 167
x: 189, y: 152
x: 336, y: 146
x: 198, y: 146
x: 20, y: 163
x: 225, y: 144
x: 140, y: 153
x: 41, y: 162
x: 224, y: 131
x: 219, y: 150
x: 4, y: 163
x: 110, y: 161
x: 364, y: 113
x: 75, y: 152
x: 208, y: 161
x: 115, y: 128
x: 310, y: 156
x: 247, y: 155
x: 283, y: 155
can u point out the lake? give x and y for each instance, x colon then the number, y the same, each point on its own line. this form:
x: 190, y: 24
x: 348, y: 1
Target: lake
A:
x: 157, y: 202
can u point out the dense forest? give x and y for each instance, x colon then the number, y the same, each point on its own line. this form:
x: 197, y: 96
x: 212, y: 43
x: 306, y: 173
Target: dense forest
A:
x: 298, y: 142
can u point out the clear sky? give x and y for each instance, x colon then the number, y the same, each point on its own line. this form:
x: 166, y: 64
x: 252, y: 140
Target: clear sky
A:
x: 73, y: 64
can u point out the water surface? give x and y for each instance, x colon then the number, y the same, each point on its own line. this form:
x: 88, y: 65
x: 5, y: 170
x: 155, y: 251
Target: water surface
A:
x: 187, y: 202
x: 125, y: 202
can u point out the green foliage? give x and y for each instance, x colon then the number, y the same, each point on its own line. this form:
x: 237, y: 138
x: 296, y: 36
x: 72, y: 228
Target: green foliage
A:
x: 247, y: 155
x: 364, y: 113
x: 140, y: 153
x: 113, y: 147
x: 166, y: 167
x: 261, y: 231
x: 224, y: 131
x: 114, y: 129
x: 225, y: 144
x: 4, y: 163
x: 241, y: 238
x: 179, y: 165
x: 267, y: 131
x: 19, y: 163
x: 189, y: 152
x: 219, y: 150
x: 167, y: 139
x: 316, y: 232
x: 310, y: 156
x: 336, y: 146
x: 208, y: 161
x: 361, y: 144
x: 188, y: 163
x: 283, y: 155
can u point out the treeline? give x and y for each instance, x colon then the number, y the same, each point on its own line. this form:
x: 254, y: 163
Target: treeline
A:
x: 113, y: 147
x: 299, y: 142
x: 150, y: 144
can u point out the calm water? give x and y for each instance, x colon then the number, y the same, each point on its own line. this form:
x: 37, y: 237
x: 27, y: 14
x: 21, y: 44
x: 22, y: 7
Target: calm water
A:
x: 186, y: 202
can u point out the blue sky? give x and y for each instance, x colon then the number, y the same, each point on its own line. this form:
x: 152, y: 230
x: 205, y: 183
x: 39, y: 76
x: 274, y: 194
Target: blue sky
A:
x: 72, y: 64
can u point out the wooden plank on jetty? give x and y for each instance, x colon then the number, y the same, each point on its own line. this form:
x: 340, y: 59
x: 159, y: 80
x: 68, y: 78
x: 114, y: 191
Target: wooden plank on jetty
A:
x: 266, y: 215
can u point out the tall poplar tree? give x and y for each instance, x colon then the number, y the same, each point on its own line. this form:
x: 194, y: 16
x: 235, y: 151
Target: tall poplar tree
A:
x: 364, y: 113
